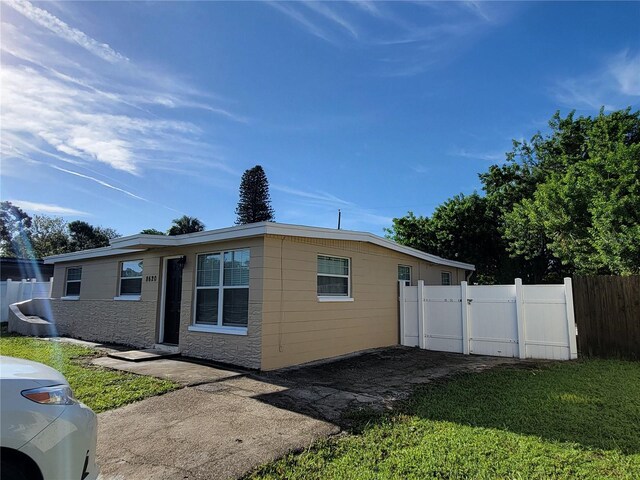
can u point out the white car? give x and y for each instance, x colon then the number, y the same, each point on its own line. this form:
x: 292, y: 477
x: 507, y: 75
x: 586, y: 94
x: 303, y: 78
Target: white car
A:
x: 45, y: 433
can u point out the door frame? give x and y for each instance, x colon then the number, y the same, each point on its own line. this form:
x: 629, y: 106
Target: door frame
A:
x: 163, y: 295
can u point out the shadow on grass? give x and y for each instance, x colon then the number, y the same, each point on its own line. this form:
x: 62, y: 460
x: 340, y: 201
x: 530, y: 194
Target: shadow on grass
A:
x: 595, y: 403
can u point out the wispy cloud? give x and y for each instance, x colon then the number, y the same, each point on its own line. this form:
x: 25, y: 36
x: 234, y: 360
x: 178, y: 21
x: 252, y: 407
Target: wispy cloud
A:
x: 47, y: 208
x: 64, y: 31
x: 406, y: 37
x: 99, y: 182
x: 615, y: 84
x: 476, y: 155
x: 303, y: 206
x: 97, y: 109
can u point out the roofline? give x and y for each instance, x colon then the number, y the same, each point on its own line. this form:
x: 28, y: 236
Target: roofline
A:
x: 138, y: 242
x: 87, y: 254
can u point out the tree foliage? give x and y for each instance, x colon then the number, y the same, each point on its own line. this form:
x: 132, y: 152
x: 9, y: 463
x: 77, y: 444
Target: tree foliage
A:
x: 564, y: 202
x: 255, y: 202
x: 151, y: 231
x: 185, y: 224
x: 41, y: 236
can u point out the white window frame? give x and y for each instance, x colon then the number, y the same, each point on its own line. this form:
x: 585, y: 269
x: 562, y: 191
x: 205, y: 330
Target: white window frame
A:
x: 442, y: 279
x: 219, y: 327
x: 334, y: 298
x: 129, y: 297
x: 407, y: 282
x: 67, y: 281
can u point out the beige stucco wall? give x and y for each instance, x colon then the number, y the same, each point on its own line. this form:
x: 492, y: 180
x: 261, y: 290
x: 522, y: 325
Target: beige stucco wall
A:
x: 97, y: 316
x: 297, y: 328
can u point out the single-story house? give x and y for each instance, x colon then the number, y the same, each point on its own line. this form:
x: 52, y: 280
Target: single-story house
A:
x: 264, y: 295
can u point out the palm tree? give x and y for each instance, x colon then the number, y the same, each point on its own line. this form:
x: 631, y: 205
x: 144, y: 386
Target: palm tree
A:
x: 185, y: 224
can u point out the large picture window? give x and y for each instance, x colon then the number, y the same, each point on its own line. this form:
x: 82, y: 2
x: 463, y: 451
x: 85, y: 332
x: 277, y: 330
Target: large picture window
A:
x: 74, y: 278
x: 333, y: 276
x: 222, y: 289
x: 131, y: 278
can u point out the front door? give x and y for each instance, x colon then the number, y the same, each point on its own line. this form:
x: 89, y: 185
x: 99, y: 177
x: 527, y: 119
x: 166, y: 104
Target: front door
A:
x: 172, y: 298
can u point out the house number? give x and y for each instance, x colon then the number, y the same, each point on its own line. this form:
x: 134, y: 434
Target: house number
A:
x: 151, y: 278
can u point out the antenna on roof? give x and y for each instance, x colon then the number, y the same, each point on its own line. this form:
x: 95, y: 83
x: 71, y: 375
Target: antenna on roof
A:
x: 339, y: 215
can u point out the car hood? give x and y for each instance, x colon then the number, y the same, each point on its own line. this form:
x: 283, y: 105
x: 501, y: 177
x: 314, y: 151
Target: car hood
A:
x: 18, y: 369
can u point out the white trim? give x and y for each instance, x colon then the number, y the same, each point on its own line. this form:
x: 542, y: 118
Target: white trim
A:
x: 335, y: 299
x: 217, y: 329
x: 136, y: 243
x: 90, y: 253
x: 348, y: 277
x: 163, y: 294
x: 410, y: 273
x: 120, y: 278
x: 127, y: 298
x: 70, y: 297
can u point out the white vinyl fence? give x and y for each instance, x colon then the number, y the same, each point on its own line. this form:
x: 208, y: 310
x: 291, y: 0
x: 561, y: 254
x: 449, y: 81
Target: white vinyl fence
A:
x: 525, y: 321
x: 18, y: 291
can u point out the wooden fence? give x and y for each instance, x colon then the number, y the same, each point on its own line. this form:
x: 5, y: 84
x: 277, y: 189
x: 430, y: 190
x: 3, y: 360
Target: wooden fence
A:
x: 607, y: 311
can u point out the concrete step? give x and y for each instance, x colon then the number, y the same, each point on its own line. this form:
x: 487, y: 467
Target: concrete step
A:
x: 143, y: 355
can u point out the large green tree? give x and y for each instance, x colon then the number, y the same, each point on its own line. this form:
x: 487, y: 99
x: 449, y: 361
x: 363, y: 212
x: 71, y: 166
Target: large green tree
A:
x: 49, y: 236
x: 83, y: 236
x: 586, y: 208
x: 185, y: 224
x: 14, y: 231
x: 255, y: 202
x: 564, y: 202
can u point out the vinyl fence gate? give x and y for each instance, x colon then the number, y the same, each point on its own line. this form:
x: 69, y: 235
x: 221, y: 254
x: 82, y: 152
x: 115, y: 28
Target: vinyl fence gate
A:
x: 525, y: 321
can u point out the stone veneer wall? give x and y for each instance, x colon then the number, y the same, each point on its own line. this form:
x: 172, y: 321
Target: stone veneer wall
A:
x: 127, y: 323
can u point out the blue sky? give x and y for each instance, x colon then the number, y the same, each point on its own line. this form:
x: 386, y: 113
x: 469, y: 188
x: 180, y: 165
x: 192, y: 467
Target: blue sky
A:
x: 129, y: 114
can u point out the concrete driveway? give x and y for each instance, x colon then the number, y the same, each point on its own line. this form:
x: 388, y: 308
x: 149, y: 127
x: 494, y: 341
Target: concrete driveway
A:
x: 225, y: 423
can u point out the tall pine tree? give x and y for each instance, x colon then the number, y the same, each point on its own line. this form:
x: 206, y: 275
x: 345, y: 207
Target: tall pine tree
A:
x: 255, y: 203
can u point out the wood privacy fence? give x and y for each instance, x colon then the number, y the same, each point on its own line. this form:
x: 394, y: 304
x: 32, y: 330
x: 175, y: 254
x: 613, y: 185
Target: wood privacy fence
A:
x: 525, y: 321
x: 607, y: 310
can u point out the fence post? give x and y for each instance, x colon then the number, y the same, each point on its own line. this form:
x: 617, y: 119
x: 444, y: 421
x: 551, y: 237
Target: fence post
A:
x: 464, y: 295
x: 522, y: 351
x: 33, y: 286
x: 401, y: 286
x: 51, y: 287
x: 571, y: 319
x: 19, y: 298
x: 421, y: 314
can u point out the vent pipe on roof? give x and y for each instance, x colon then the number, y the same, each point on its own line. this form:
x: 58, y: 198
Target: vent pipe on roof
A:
x: 339, y: 215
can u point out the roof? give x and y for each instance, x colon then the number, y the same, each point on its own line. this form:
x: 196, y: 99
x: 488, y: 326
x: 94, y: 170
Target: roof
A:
x: 140, y: 242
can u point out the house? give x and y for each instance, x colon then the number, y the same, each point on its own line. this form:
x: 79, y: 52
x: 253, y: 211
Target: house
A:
x: 263, y: 296
x: 24, y: 268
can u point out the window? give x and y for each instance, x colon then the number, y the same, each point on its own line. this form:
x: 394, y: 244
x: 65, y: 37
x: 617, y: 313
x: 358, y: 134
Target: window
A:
x: 222, y: 290
x: 74, y: 276
x: 333, y: 277
x: 445, y: 278
x: 131, y: 278
x: 404, y: 273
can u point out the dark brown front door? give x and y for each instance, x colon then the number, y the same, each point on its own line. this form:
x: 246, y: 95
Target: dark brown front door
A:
x: 172, y: 298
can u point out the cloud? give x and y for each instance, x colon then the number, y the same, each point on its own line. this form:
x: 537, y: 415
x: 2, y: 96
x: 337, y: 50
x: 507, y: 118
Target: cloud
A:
x: 486, y: 156
x: 613, y: 85
x: 406, y: 37
x: 47, y: 208
x: 64, y: 31
x: 321, y: 208
x: 115, y: 113
x: 100, y: 182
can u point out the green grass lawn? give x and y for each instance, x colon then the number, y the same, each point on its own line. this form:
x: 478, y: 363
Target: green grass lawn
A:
x: 563, y: 420
x: 99, y: 388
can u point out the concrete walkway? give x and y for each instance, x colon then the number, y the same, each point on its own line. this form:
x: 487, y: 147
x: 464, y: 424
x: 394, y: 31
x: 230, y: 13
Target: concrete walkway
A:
x: 226, y: 422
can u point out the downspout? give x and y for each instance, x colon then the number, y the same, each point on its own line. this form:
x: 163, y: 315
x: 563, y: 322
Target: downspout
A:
x: 469, y: 275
